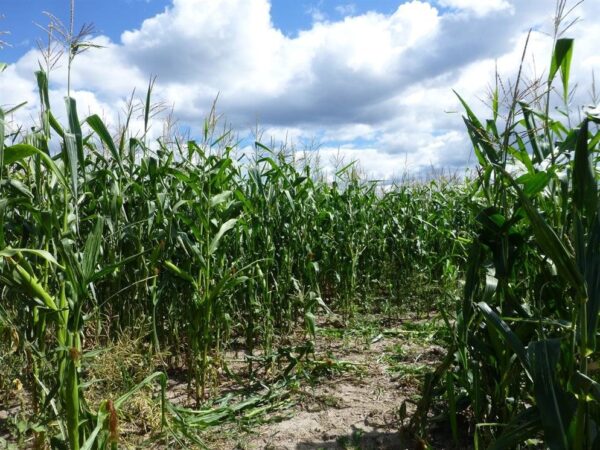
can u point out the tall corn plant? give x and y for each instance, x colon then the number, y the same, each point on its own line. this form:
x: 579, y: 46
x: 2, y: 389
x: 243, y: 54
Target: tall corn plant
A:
x: 526, y: 329
x: 52, y: 272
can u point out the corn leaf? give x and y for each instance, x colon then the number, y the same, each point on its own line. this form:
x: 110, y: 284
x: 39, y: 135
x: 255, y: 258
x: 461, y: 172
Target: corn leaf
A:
x: 71, y: 152
x: 508, y: 335
x: 214, y: 244
x: 14, y: 153
x: 522, y: 427
x: 96, y: 124
x: 561, y: 60
x: 553, y: 405
x: 92, y: 251
x: 1, y: 141
x: 585, y: 188
x: 75, y: 127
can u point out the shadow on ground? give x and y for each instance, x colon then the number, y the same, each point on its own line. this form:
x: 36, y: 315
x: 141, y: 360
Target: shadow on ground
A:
x: 357, y: 439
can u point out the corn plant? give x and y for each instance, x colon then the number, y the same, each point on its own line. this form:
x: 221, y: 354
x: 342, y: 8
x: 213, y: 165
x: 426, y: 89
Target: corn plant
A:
x: 526, y: 329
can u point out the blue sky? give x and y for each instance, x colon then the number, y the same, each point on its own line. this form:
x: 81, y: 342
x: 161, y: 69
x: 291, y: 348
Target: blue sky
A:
x: 365, y: 80
x: 116, y: 16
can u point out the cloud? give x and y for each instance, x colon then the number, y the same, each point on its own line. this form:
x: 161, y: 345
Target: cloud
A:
x: 316, y: 13
x: 374, y: 86
x: 479, y: 7
x: 347, y: 9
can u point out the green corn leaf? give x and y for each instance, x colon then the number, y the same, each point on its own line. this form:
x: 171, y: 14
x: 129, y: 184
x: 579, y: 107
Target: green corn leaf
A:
x: 552, y: 246
x: 101, y: 418
x: 92, y: 250
x: 75, y: 127
x: 96, y: 124
x: 495, y: 103
x: 585, y: 195
x: 214, y: 244
x: 481, y: 142
x: 15, y: 153
x: 12, y: 109
x: 18, y: 150
x: 311, y: 324
x: 71, y: 152
x: 42, y: 82
x: 220, y: 198
x: 227, y: 282
x: 31, y: 285
x: 470, y: 114
x: 2, y: 156
x: 274, y: 166
x: 522, y: 427
x: 56, y: 126
x: 93, y: 440
x: 592, y: 277
x: 522, y: 154
x: 561, y: 60
x: 509, y: 335
x: 586, y: 385
x: 179, y: 272
x: 158, y: 376
x: 345, y: 169
x: 112, y: 267
x: 549, y: 241
x: 532, y: 132
x: 534, y: 183
x: 451, y: 396
x: 12, y: 252
x: 20, y: 187
x: 148, y: 105
x: 555, y: 408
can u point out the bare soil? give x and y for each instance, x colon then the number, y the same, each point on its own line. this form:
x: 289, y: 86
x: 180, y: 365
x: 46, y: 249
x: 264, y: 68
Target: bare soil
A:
x: 365, y: 373
x: 358, y: 408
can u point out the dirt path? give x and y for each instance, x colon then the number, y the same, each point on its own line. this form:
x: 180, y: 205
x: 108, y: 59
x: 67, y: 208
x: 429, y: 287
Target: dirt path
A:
x: 359, y: 407
x: 348, y: 395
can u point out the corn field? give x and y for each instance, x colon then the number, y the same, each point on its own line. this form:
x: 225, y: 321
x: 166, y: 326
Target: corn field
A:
x: 200, y: 251
x: 208, y: 252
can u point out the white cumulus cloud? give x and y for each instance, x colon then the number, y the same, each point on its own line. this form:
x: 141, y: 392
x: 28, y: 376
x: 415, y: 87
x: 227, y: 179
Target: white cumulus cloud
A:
x: 479, y: 7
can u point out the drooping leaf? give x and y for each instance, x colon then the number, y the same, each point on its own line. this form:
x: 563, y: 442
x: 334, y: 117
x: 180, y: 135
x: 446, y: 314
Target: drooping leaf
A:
x: 20, y: 151
x: 311, y: 324
x: 220, y: 198
x: 96, y: 124
x: 561, y: 60
x: 179, y: 272
x: 16, y: 153
x: 534, y: 183
x: 214, y: 244
x: 12, y: 252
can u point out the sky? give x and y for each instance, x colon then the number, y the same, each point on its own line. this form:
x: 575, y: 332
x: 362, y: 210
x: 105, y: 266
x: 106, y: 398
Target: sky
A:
x: 361, y: 80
